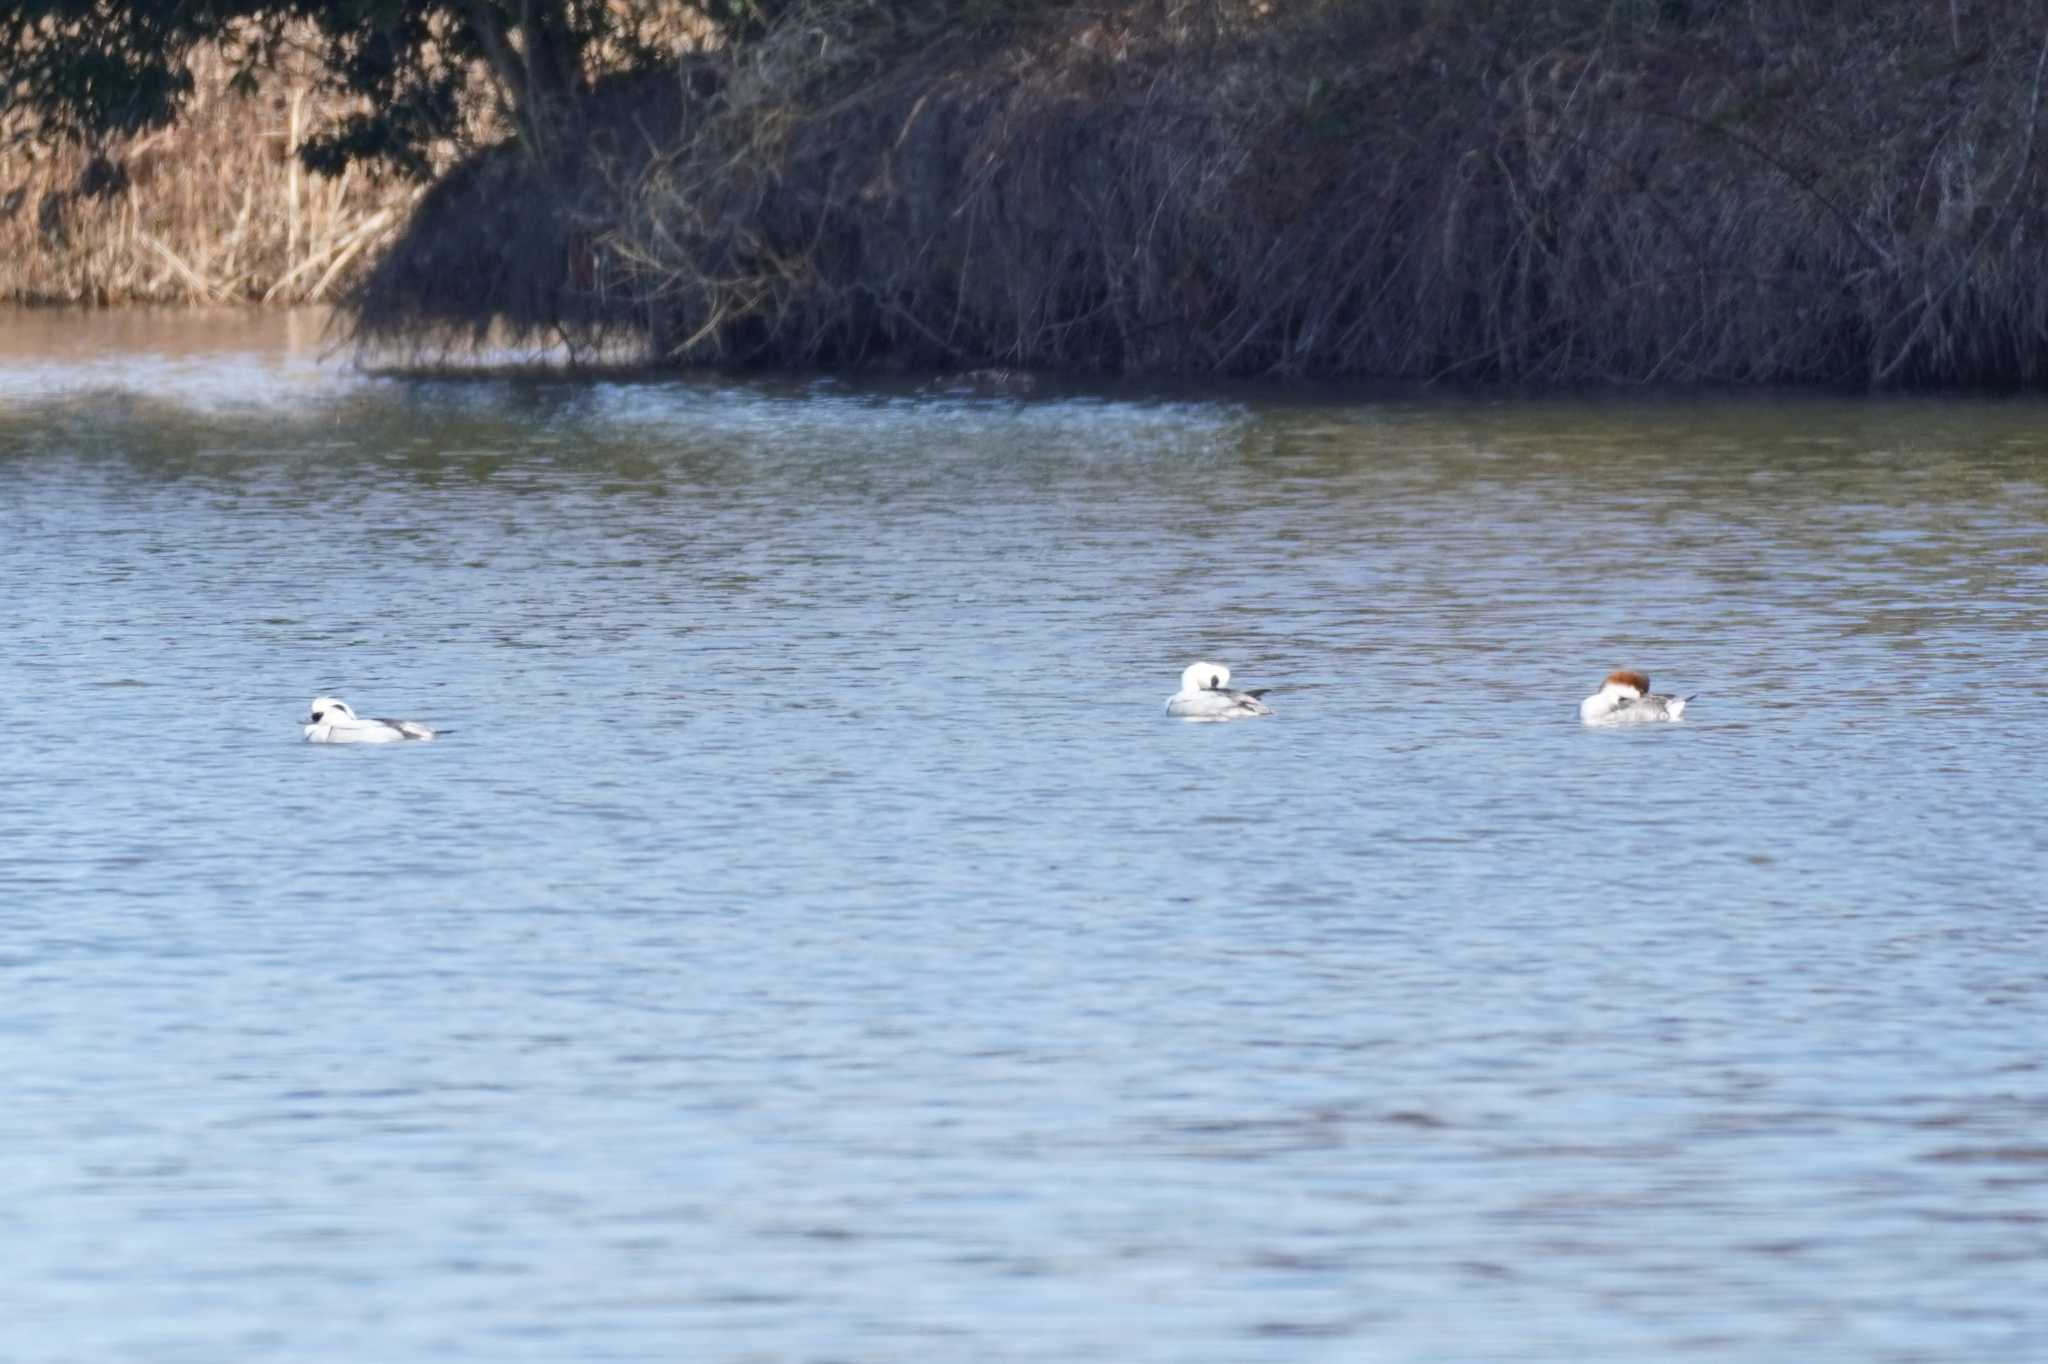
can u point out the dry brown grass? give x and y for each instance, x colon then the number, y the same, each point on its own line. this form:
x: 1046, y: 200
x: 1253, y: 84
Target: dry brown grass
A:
x: 1762, y: 191
x: 1335, y: 192
x: 214, y: 210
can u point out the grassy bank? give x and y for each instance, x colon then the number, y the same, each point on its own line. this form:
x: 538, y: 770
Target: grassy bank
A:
x: 214, y: 210
x: 1620, y: 191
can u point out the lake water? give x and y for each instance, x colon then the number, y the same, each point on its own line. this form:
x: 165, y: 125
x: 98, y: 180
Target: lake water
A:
x: 813, y: 942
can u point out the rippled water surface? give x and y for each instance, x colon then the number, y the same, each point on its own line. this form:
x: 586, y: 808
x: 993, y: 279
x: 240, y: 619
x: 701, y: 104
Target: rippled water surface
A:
x: 814, y: 943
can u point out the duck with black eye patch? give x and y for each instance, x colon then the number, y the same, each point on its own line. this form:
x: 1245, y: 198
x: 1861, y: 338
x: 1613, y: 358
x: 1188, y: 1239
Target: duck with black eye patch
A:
x: 329, y: 720
x: 1205, y: 694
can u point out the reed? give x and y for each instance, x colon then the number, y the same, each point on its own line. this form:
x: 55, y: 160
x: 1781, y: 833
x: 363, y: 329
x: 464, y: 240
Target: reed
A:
x: 213, y: 210
x: 1614, y: 191
x: 1559, y: 194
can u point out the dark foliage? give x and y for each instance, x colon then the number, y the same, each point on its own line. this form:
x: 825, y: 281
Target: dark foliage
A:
x: 93, y: 70
x: 1562, y: 193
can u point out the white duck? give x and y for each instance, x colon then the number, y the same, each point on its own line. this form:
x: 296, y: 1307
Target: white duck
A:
x: 1205, y: 694
x: 1625, y: 699
x: 330, y: 721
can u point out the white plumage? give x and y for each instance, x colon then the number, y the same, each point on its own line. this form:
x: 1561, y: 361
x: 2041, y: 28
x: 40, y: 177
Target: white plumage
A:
x: 330, y: 721
x: 1625, y: 699
x: 1205, y: 694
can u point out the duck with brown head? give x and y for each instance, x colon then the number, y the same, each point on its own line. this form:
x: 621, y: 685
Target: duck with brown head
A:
x: 1625, y: 698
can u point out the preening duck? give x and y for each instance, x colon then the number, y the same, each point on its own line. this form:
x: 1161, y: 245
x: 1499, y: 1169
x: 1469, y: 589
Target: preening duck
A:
x: 1625, y: 699
x: 1205, y: 694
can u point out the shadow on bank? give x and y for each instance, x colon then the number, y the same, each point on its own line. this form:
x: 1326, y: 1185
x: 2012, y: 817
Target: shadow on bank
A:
x: 1715, y: 194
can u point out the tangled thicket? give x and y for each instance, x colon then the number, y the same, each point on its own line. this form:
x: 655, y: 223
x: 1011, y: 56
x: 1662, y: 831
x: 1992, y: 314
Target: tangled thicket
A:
x: 1835, y: 193
x: 216, y: 209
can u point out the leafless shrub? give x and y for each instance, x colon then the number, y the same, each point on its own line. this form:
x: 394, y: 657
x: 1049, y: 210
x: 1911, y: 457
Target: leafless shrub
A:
x: 1552, y: 194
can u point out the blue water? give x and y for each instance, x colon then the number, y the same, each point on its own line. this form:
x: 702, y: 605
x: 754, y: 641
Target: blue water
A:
x: 812, y: 941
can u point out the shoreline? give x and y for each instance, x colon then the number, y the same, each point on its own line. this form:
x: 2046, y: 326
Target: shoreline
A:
x: 1343, y: 195
x: 36, y: 337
